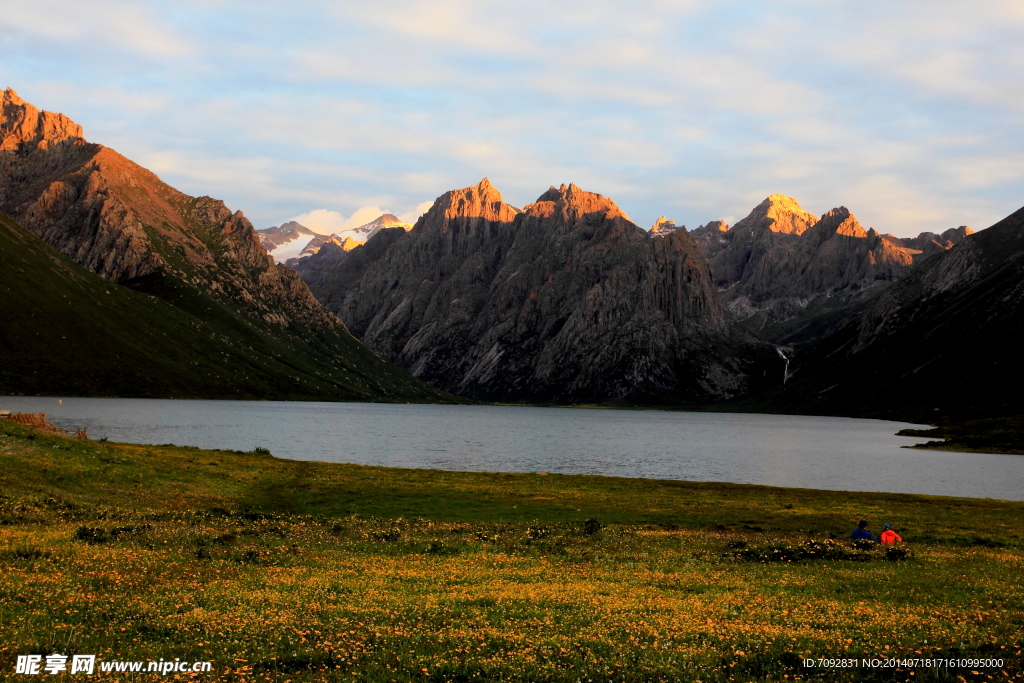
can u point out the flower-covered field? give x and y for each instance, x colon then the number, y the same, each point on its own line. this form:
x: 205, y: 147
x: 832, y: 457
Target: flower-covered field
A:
x: 288, y: 571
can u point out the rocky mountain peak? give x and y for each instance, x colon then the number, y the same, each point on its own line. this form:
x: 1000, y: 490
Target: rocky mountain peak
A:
x: 956, y: 234
x: 23, y: 124
x: 664, y: 227
x: 481, y: 203
x: 389, y: 220
x: 840, y: 221
x: 571, y: 203
x: 779, y: 213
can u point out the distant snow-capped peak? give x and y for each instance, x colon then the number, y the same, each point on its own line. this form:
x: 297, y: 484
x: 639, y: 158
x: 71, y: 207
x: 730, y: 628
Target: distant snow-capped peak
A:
x: 288, y: 240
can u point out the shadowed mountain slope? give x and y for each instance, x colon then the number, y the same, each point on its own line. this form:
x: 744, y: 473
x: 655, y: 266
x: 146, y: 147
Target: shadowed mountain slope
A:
x: 566, y: 300
x: 940, y: 344
x: 121, y: 222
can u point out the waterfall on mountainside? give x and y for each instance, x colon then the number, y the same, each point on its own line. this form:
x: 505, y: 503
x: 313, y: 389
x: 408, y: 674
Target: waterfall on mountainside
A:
x: 785, y: 371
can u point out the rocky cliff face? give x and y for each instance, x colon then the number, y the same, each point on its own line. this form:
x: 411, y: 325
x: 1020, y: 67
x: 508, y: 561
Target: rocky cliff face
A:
x: 566, y: 300
x: 780, y: 259
x: 122, y: 222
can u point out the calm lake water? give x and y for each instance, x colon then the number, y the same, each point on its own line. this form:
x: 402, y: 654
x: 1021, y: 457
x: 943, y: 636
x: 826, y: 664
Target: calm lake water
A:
x: 777, y: 450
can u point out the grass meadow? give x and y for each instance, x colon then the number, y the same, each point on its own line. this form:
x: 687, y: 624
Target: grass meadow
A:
x: 278, y: 570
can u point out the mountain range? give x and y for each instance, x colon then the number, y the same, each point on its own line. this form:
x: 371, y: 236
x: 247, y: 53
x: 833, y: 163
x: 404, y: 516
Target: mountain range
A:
x: 781, y: 262
x: 114, y: 283
x: 566, y: 300
x: 291, y: 240
x: 569, y: 301
x: 255, y: 329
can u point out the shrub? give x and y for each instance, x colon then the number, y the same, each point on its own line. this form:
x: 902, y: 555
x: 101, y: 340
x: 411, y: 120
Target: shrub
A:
x: 91, y: 534
x: 386, y: 536
x: 225, y: 539
x: 896, y: 554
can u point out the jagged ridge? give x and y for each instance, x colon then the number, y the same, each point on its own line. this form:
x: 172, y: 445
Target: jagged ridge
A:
x: 566, y: 300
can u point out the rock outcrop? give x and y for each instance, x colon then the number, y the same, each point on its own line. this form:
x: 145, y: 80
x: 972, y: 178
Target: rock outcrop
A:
x: 566, y: 301
x: 664, y: 227
x: 780, y: 260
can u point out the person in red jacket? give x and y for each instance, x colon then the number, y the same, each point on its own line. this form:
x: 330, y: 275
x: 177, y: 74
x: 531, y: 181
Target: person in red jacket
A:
x: 890, y: 536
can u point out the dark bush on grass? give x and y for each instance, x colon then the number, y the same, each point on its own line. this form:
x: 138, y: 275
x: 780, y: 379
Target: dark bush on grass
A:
x: 896, y: 554
x: 91, y: 534
x: 592, y: 526
x: 386, y: 535
x: 250, y: 557
x: 809, y: 550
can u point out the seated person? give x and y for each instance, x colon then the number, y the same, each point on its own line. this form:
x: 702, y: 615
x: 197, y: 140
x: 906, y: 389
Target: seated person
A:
x: 862, y: 533
x: 890, y: 536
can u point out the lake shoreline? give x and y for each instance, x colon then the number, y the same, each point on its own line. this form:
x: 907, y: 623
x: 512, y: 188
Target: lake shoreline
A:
x: 814, y: 452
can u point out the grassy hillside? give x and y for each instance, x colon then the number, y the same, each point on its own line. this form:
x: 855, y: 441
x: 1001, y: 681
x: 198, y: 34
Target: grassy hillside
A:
x: 67, y: 331
x: 297, y: 571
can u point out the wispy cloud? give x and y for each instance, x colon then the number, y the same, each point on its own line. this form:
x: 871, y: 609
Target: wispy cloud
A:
x: 96, y: 25
x: 907, y: 113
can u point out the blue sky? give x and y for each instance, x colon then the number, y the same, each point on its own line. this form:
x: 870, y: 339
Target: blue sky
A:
x: 911, y: 114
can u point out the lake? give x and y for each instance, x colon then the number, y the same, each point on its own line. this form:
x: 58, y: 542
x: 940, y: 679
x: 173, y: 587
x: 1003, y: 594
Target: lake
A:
x: 776, y: 450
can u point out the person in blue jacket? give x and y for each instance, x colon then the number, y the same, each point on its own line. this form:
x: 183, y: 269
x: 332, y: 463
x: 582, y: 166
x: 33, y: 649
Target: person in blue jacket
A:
x: 861, y: 532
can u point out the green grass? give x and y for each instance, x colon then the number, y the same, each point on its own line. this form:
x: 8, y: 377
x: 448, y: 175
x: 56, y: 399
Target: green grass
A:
x: 283, y: 570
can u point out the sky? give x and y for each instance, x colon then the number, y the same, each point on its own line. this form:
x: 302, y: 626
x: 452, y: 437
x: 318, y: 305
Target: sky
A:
x: 911, y: 114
